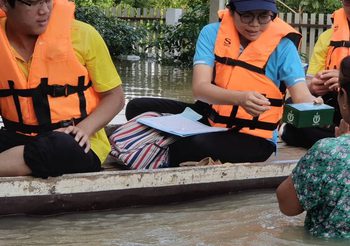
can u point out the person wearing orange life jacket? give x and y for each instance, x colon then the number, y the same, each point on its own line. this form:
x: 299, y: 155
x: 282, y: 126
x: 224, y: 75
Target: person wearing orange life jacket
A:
x: 241, y: 68
x: 54, y: 98
x: 322, y: 77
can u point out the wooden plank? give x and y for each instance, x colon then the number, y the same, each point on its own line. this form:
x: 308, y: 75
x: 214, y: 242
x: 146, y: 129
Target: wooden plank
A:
x: 110, y: 188
x: 312, y: 36
x: 304, y: 20
x: 321, y: 21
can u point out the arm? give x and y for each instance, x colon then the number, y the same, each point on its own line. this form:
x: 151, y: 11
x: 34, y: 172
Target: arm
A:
x: 253, y: 102
x: 106, y: 82
x: 343, y: 128
x: 300, y: 94
x: 287, y: 198
x: 323, y: 82
x: 319, y: 80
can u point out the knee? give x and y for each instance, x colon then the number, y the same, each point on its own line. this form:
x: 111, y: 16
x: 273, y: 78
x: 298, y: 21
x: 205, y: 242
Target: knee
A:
x: 132, y: 108
x: 57, y: 153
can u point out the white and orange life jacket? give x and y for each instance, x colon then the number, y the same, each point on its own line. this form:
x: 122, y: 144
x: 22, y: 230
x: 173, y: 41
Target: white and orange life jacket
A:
x: 246, y: 72
x: 58, y: 89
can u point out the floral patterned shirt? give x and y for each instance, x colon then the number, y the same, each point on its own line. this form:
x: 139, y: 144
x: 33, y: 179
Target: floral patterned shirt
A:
x: 322, y: 182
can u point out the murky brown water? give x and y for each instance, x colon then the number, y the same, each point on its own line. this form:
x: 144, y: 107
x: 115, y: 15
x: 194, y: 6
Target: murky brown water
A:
x: 249, y: 218
x: 154, y: 80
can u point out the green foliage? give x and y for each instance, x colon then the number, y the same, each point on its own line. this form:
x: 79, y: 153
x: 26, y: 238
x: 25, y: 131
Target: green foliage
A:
x: 179, y: 42
x: 311, y: 6
x: 119, y: 35
x: 98, y: 3
x: 184, y: 4
x: 137, y: 3
x: 162, y: 4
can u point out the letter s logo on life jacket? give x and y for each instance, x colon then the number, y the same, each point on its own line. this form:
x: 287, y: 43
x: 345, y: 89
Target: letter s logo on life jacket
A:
x: 227, y: 42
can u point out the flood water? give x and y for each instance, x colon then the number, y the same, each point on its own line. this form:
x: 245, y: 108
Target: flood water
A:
x: 248, y: 218
x: 149, y: 79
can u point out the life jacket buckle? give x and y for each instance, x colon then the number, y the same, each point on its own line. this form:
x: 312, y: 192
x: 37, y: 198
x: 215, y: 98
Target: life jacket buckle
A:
x: 66, y: 123
x: 59, y: 90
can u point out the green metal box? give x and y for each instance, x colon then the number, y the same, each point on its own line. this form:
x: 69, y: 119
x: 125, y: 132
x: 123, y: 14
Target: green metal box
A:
x: 308, y: 115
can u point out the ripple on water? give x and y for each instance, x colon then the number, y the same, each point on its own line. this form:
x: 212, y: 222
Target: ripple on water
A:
x: 249, y: 218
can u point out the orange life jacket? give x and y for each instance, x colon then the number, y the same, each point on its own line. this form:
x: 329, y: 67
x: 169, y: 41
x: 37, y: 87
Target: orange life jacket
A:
x: 339, y: 46
x: 246, y: 72
x: 58, y: 90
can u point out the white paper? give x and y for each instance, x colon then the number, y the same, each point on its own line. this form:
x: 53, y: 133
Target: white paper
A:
x: 183, y: 125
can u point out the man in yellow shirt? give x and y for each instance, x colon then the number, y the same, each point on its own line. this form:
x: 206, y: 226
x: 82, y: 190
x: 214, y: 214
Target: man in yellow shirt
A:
x: 58, y: 89
x: 322, y: 76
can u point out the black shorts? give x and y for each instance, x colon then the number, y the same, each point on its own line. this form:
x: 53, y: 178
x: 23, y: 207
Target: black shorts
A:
x: 51, y: 154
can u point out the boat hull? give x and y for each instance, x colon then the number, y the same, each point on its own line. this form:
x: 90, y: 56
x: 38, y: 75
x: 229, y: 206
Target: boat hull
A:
x: 115, y: 189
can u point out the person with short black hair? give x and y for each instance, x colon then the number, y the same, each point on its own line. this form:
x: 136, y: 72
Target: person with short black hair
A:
x: 320, y: 183
x: 58, y: 89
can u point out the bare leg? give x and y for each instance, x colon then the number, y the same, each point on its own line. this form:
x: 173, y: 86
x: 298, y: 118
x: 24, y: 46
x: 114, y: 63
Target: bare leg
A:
x: 12, y: 162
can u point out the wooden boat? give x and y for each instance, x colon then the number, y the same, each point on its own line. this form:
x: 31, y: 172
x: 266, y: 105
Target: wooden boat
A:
x: 113, y: 188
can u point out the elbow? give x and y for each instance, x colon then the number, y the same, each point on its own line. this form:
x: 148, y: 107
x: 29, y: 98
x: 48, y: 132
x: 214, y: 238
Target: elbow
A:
x: 196, y: 93
x: 288, y: 211
x: 288, y: 202
x: 122, y: 102
x: 118, y: 96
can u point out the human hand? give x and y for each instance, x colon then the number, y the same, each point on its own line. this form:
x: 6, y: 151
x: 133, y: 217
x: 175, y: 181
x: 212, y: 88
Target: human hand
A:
x: 253, y: 103
x: 317, y: 85
x: 331, y: 79
x: 318, y: 100
x: 343, y: 128
x: 79, y: 135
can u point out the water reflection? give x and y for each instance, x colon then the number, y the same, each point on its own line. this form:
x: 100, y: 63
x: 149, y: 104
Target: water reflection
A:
x: 249, y: 218
x: 150, y: 79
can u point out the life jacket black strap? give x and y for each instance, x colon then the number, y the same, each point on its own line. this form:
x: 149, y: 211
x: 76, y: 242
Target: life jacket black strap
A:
x: 16, y: 100
x: 233, y: 115
x: 27, y: 129
x: 41, y: 103
x: 82, y: 99
x: 233, y: 62
x: 276, y: 102
x: 240, y: 123
x: 342, y: 43
x: 52, y: 90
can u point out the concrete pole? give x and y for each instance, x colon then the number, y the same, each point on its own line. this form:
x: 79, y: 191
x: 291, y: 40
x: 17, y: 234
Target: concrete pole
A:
x: 215, y: 5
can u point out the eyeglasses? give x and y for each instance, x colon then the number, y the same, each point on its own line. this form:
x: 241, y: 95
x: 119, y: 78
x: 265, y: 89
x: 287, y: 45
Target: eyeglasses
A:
x: 34, y: 3
x: 248, y: 17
